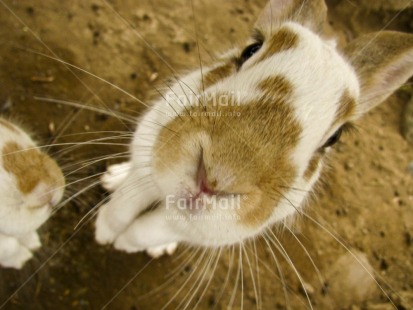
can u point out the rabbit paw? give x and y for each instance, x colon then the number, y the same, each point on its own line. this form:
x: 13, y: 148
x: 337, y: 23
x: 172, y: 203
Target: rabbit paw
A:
x: 104, y: 233
x: 18, y: 259
x: 160, y: 250
x: 122, y: 243
x: 31, y: 241
x: 115, y: 175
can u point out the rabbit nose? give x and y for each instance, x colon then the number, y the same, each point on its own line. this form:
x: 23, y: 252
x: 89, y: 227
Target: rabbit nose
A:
x: 203, y: 184
x: 205, y: 189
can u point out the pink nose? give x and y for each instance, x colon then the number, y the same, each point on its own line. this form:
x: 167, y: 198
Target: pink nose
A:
x: 202, y: 181
x: 205, y: 189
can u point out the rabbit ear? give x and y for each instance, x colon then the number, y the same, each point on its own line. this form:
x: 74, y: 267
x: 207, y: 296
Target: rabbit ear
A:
x: 309, y: 13
x: 383, y: 62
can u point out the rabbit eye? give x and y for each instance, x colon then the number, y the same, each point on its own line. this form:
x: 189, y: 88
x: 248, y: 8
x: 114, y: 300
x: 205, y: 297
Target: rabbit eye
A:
x: 334, y: 138
x: 249, y: 51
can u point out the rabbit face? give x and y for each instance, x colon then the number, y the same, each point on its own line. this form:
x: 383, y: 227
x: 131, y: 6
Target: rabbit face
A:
x: 261, y: 153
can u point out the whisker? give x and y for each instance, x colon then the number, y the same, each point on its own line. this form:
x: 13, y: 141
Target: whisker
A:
x: 92, y: 161
x: 230, y: 266
x: 352, y: 254
x: 63, y: 203
x: 170, y: 276
x: 252, y: 275
x: 284, y: 253
x: 92, y: 211
x: 151, y: 48
x: 199, y: 53
x: 67, y: 65
x: 42, y: 265
x: 257, y: 270
x: 210, y: 279
x: 281, y: 274
x: 55, y: 58
x: 320, y: 277
x: 197, y: 263
x: 232, y: 299
x: 200, y: 280
x: 129, y: 282
x: 119, y: 115
x: 242, y: 277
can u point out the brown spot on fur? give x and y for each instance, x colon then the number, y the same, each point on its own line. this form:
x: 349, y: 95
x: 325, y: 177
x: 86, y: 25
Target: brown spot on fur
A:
x: 313, y: 165
x: 346, y: 108
x: 283, y: 40
x: 217, y: 74
x: 8, y: 125
x: 30, y: 167
x: 252, y: 141
x: 276, y: 87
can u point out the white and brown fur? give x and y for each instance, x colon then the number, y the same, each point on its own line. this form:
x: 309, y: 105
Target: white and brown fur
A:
x: 31, y: 183
x: 291, y: 96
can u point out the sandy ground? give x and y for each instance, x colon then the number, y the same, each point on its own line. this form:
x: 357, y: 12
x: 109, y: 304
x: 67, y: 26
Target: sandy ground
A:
x: 365, y: 199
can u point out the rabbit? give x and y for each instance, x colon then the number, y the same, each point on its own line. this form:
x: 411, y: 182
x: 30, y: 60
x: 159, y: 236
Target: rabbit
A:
x: 234, y: 148
x: 31, y: 183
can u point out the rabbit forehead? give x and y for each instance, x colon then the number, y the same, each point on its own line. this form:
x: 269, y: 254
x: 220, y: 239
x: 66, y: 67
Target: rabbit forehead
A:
x: 317, y: 72
x: 324, y: 87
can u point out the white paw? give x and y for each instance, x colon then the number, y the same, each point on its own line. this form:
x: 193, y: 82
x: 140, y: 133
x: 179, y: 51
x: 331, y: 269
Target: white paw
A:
x: 31, y: 241
x: 115, y: 175
x: 18, y: 259
x: 104, y: 233
x: 160, y: 250
x: 122, y: 243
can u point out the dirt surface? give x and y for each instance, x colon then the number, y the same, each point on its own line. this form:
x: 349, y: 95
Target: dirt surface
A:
x: 365, y: 200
